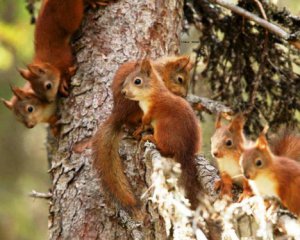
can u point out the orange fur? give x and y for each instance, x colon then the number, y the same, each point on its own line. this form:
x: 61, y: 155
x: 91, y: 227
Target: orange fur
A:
x: 52, y: 66
x: 106, y: 141
x: 29, y: 109
x: 228, y: 156
x: 247, y: 190
x: 224, y: 184
x: 275, y: 176
x: 286, y: 144
x: 53, y: 60
x: 176, y: 129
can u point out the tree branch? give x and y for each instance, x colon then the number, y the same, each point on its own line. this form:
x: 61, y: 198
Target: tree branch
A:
x: 170, y: 200
x: 35, y: 194
x: 267, y: 25
x: 209, y: 105
x: 240, y: 219
x: 289, y: 225
x: 207, y: 176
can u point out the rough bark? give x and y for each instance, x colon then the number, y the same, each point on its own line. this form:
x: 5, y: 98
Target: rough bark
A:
x: 209, y: 105
x: 80, y: 209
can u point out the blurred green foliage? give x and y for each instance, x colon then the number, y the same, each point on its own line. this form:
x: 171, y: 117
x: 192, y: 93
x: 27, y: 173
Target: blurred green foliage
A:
x: 22, y: 151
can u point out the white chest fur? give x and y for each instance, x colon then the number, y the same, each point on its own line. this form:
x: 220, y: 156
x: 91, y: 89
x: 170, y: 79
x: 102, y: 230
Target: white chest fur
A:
x: 48, y: 112
x: 263, y: 185
x: 145, y: 105
x: 230, y: 166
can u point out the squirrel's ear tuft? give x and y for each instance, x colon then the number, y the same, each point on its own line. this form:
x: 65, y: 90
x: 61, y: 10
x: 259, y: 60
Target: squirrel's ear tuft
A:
x: 261, y: 142
x: 8, y: 104
x: 26, y: 74
x: 19, y: 93
x: 218, y: 122
x: 36, y: 69
x: 237, y: 122
x: 146, y: 67
x: 185, y: 63
x: 190, y: 65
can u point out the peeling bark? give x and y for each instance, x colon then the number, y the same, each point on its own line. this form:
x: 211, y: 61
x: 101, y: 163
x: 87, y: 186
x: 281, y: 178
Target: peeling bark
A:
x: 80, y: 208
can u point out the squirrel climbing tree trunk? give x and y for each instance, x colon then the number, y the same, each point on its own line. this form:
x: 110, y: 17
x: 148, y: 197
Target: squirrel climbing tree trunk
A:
x: 80, y: 208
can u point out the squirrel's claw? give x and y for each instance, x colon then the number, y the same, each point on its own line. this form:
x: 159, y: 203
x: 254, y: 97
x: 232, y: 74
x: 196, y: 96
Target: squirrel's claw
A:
x: 72, y: 70
x: 148, y: 137
x: 244, y: 195
x: 63, y: 88
x: 137, y: 133
x: 97, y: 3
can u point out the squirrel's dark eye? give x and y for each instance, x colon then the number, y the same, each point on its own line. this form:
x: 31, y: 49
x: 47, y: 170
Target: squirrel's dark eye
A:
x: 258, y: 163
x: 137, y: 81
x: 228, y: 143
x: 180, y: 80
x: 48, y: 86
x: 30, y: 109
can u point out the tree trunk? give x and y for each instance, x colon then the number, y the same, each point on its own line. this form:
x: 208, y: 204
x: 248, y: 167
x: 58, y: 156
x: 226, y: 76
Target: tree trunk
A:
x: 80, y: 208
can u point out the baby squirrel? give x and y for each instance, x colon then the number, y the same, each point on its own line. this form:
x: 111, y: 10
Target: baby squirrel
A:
x: 30, y: 110
x: 175, y: 74
x: 176, y: 128
x: 227, y: 146
x: 52, y: 65
x: 271, y: 175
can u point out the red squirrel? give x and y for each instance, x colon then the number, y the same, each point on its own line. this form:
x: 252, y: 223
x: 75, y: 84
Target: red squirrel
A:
x: 175, y: 74
x: 271, y: 175
x: 226, y: 148
x: 30, y: 110
x: 52, y: 65
x: 176, y: 128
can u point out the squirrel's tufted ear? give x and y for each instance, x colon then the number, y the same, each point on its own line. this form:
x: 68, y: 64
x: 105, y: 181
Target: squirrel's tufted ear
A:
x: 19, y: 93
x: 262, y: 142
x: 36, y: 69
x: 237, y: 122
x: 185, y: 63
x: 8, y: 104
x: 190, y: 65
x: 146, y: 67
x: 218, y: 122
x: 26, y: 74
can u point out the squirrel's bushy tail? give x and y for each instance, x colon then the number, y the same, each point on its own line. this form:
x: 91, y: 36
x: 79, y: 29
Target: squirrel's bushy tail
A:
x: 189, y: 177
x: 108, y: 163
x: 287, y: 144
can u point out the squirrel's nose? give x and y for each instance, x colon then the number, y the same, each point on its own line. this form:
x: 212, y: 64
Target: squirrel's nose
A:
x: 215, y: 154
x: 124, y: 92
x: 247, y: 175
x: 30, y: 125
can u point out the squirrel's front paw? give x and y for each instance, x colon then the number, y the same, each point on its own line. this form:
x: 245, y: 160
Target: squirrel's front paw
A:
x: 137, y: 134
x: 225, y: 189
x: 148, y: 137
x: 64, y: 88
x: 244, y: 195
